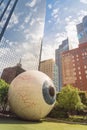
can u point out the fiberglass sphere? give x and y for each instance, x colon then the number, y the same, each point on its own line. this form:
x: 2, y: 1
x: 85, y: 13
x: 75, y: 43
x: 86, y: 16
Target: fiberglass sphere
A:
x: 31, y: 95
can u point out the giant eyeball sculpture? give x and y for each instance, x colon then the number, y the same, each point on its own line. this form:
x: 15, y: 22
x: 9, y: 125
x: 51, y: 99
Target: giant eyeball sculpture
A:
x: 32, y: 95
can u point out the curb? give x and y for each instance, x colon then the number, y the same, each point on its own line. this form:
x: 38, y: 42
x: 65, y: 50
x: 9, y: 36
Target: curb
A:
x: 62, y: 121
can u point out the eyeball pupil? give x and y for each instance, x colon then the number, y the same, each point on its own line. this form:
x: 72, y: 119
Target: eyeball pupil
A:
x: 51, y: 91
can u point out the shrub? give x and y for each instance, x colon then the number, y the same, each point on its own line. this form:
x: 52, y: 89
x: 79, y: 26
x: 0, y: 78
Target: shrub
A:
x: 57, y: 112
x: 3, y: 94
x: 83, y: 96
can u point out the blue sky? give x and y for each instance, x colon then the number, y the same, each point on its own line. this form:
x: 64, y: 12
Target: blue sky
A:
x: 23, y: 35
x: 60, y: 23
x: 31, y: 21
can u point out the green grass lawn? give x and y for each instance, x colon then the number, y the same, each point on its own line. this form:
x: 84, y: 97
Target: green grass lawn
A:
x: 10, y: 124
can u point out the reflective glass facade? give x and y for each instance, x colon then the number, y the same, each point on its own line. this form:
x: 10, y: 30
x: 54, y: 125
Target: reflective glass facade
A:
x: 23, y: 35
x: 82, y: 31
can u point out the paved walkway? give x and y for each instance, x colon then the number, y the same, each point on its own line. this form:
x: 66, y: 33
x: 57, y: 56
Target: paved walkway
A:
x: 64, y: 121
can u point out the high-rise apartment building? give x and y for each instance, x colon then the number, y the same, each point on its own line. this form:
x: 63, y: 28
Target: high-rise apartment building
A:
x: 82, y: 31
x: 74, y: 67
x: 63, y: 47
x: 49, y: 67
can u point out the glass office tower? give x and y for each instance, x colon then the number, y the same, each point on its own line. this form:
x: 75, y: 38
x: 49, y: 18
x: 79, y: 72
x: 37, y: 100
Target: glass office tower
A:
x: 22, y: 24
x: 82, y: 31
x: 58, y: 58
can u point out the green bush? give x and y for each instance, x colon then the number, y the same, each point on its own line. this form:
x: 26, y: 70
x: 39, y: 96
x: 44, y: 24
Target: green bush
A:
x: 69, y: 99
x: 57, y: 112
x: 83, y: 97
x: 3, y: 94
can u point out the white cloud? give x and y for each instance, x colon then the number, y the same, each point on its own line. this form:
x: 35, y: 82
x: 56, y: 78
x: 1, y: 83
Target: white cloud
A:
x: 33, y: 37
x: 28, y: 52
x: 31, y: 27
x: 55, y: 15
x: 22, y: 26
x: 71, y: 27
x: 81, y: 14
x: 65, y: 9
x: 14, y: 20
x: 34, y: 34
x: 29, y: 59
x: 8, y: 57
x: 67, y: 19
x: 32, y: 21
x: 49, y: 6
x: 63, y: 26
x: 83, y: 1
x: 31, y: 4
x: 49, y: 46
x: 72, y: 33
x: 59, y: 37
x: 27, y: 18
x: 40, y: 21
x: 55, y: 12
x: 48, y: 51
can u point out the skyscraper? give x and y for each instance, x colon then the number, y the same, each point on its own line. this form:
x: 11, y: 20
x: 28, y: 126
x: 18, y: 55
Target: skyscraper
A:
x: 11, y: 6
x: 58, y: 53
x: 23, y: 29
x: 49, y: 67
x: 82, y: 31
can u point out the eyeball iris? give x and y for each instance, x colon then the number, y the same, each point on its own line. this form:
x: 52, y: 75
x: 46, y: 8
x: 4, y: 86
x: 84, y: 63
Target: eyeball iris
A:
x: 49, y: 94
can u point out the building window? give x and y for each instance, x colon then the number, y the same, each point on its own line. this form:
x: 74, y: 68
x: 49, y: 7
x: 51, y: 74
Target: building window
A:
x: 79, y: 72
x: 85, y: 66
x: 78, y: 68
x: 77, y: 59
x: 73, y: 60
x: 83, y: 57
x: 72, y: 57
x: 82, y: 54
x: 86, y: 76
x: 80, y: 77
x: 74, y: 69
x: 75, y: 78
x: 74, y: 73
x: 85, y: 53
x: 85, y: 71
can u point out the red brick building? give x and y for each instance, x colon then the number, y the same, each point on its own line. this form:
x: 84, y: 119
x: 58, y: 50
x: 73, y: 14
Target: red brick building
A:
x: 74, y: 67
x: 10, y: 73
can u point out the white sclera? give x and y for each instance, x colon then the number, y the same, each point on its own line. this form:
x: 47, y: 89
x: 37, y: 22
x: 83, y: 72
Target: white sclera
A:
x: 26, y: 95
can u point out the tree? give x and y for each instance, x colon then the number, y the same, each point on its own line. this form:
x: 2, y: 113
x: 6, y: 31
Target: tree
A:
x: 3, y: 94
x: 83, y: 96
x: 69, y: 99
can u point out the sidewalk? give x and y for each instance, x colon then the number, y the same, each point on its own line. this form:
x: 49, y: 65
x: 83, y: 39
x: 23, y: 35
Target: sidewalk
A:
x: 64, y: 121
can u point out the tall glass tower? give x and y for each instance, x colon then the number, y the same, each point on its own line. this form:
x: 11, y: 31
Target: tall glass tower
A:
x: 82, y: 31
x: 11, y: 7
x: 21, y: 32
x: 58, y: 58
